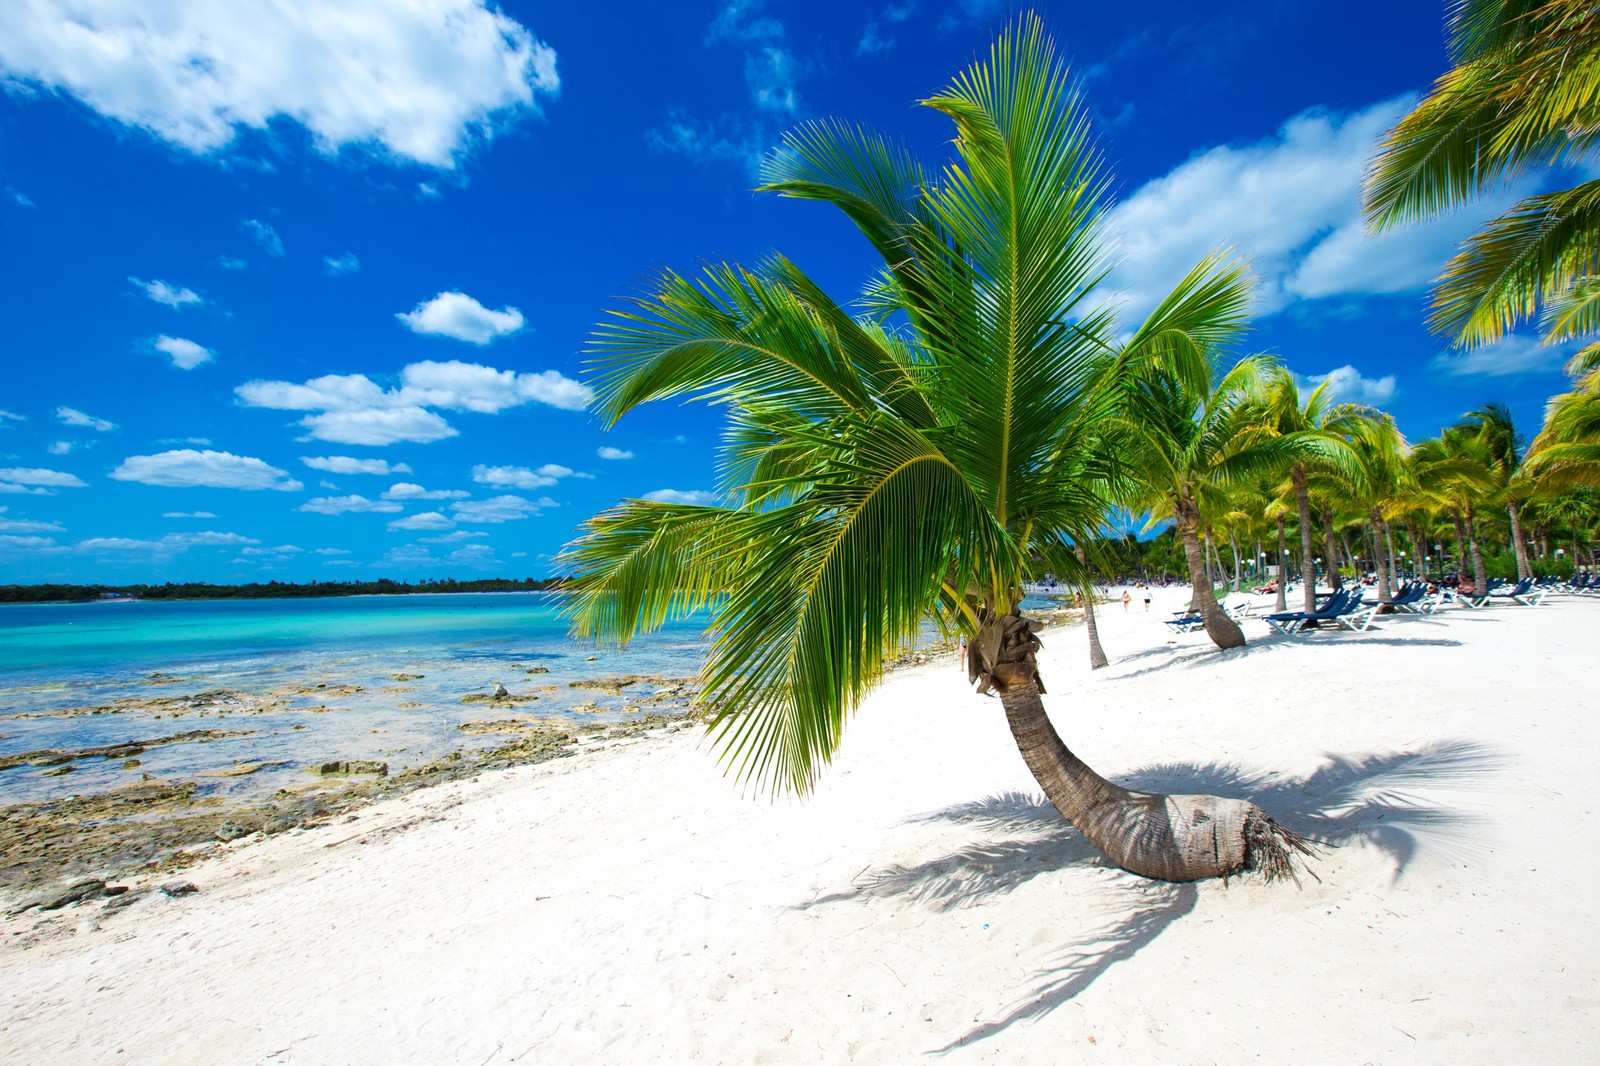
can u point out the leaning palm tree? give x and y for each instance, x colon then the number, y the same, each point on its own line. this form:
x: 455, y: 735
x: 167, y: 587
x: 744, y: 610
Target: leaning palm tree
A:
x: 1524, y: 93
x: 881, y: 472
x: 1319, y: 431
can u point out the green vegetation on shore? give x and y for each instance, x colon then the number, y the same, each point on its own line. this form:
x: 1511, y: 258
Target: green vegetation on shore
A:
x: 197, y: 590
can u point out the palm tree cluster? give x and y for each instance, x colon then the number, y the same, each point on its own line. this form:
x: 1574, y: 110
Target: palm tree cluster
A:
x: 972, y: 423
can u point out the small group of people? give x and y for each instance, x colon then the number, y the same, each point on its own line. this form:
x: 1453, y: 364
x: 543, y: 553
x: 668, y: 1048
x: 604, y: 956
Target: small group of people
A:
x: 1127, y: 597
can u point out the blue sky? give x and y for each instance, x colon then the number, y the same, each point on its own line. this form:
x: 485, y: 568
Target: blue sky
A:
x: 293, y: 296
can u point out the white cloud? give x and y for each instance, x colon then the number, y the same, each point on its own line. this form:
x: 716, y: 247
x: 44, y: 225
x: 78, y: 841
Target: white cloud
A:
x: 20, y: 197
x: 187, y: 514
x: 605, y: 451
x: 420, y: 80
x: 428, y: 190
x: 23, y: 525
x: 378, y: 427
x: 472, y: 387
x: 498, y: 509
x: 1291, y: 205
x: 187, y: 468
x: 557, y: 470
x: 170, y: 544
x: 29, y: 544
x: 341, y: 264
x: 1349, y: 386
x: 455, y: 314
x: 186, y: 354
x: 675, y: 496
x: 8, y: 416
x: 280, y: 550
x: 510, y: 477
x: 344, y: 464
x: 424, y: 520
x: 60, y: 447
x: 163, y: 293
x: 356, y: 410
x: 453, y: 536
x: 231, y: 262
x: 331, y: 551
x: 1511, y: 357
x: 347, y: 504
x: 73, y: 417
x: 32, y: 475
x: 405, y: 490
x: 265, y: 236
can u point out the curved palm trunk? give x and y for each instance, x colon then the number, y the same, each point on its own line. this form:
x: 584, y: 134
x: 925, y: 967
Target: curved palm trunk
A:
x: 1170, y: 838
x: 1381, y: 565
x: 1302, y: 499
x: 1283, y: 559
x: 1097, y: 654
x: 1524, y: 570
x: 1330, y: 550
x: 1480, y: 578
x: 1223, y: 631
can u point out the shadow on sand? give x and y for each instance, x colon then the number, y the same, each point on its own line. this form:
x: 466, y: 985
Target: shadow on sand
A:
x: 1349, y: 799
x: 1204, y: 654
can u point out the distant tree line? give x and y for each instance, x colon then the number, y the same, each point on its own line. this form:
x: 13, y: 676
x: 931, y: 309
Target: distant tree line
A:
x: 199, y: 590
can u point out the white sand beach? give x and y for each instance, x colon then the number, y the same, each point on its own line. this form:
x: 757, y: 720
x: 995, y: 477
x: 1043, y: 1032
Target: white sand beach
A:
x: 631, y: 905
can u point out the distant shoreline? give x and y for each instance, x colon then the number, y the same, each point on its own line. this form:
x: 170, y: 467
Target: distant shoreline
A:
x: 61, y: 593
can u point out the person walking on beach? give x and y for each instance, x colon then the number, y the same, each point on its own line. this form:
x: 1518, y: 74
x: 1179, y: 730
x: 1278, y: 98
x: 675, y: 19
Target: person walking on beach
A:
x: 1127, y: 598
x: 1146, y: 596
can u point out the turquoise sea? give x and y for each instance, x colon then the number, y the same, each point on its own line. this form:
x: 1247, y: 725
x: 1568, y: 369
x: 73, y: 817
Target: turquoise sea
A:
x: 311, y: 680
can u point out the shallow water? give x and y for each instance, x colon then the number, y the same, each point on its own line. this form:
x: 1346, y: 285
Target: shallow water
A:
x: 270, y: 656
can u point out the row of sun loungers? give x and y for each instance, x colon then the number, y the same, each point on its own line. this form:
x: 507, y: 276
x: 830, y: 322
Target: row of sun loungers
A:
x: 1345, y: 608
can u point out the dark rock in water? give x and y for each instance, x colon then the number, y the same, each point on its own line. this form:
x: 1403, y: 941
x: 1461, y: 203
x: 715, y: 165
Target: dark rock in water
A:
x: 51, y: 758
x: 113, y: 751
x: 360, y: 766
x: 88, y: 888
x: 407, y: 677
x: 125, y: 897
x: 233, y: 830
x: 131, y: 764
x: 57, y: 772
x: 537, y: 670
x: 174, y: 889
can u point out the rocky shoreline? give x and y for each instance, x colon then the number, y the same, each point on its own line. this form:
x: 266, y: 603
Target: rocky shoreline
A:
x: 72, y: 849
x: 62, y: 851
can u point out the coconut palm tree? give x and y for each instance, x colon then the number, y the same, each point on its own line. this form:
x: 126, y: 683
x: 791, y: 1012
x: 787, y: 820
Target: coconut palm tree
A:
x: 879, y: 471
x: 1493, y: 423
x: 1383, y: 484
x: 1454, y: 468
x: 1320, y: 430
x: 1566, y: 453
x: 1524, y: 93
x: 1190, y: 427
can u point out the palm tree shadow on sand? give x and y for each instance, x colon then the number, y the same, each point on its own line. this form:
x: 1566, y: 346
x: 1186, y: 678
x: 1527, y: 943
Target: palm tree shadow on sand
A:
x: 1350, y: 799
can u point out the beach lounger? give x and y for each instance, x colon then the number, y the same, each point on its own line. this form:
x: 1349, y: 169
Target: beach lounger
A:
x: 1531, y: 597
x: 1186, y: 623
x: 1291, y: 622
